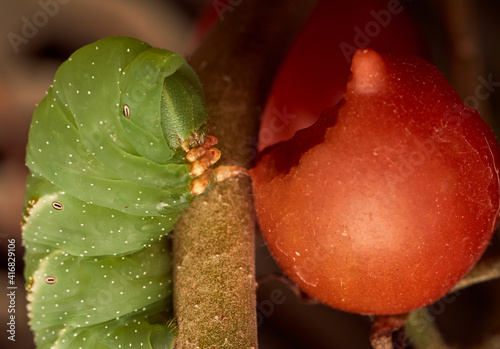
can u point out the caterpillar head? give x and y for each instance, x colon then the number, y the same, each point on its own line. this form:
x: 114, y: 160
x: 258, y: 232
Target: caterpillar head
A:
x: 161, y: 96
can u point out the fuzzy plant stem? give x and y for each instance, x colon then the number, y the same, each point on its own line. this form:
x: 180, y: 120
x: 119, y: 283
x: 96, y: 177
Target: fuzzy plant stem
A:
x: 423, y: 332
x: 420, y: 327
x: 214, y: 270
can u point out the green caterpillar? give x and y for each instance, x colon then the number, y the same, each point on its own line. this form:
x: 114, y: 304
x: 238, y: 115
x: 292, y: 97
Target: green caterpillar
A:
x: 117, y: 149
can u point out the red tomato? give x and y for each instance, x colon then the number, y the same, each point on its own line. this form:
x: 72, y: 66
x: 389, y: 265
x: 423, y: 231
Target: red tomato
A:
x: 390, y: 199
x: 315, y: 71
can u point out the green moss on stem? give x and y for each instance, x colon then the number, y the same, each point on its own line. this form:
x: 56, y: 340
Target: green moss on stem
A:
x: 214, y: 276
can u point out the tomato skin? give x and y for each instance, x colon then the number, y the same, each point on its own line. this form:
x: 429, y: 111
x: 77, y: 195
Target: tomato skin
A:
x: 313, y: 75
x: 390, y: 198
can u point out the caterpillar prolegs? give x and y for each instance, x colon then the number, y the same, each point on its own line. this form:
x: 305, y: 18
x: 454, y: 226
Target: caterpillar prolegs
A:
x: 117, y: 149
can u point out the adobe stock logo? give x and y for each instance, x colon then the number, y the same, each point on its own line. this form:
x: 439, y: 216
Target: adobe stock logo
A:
x: 266, y: 307
x: 363, y: 36
x: 39, y: 19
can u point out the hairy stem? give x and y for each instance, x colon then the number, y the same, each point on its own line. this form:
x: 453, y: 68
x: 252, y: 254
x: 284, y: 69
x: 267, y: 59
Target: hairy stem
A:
x: 420, y: 326
x: 423, y: 332
x: 214, y: 273
x: 485, y: 270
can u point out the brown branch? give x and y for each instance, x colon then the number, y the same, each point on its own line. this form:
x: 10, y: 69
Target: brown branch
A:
x: 214, y: 276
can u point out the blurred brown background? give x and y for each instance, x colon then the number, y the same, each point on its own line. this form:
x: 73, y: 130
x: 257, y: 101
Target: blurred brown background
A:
x: 465, y: 40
